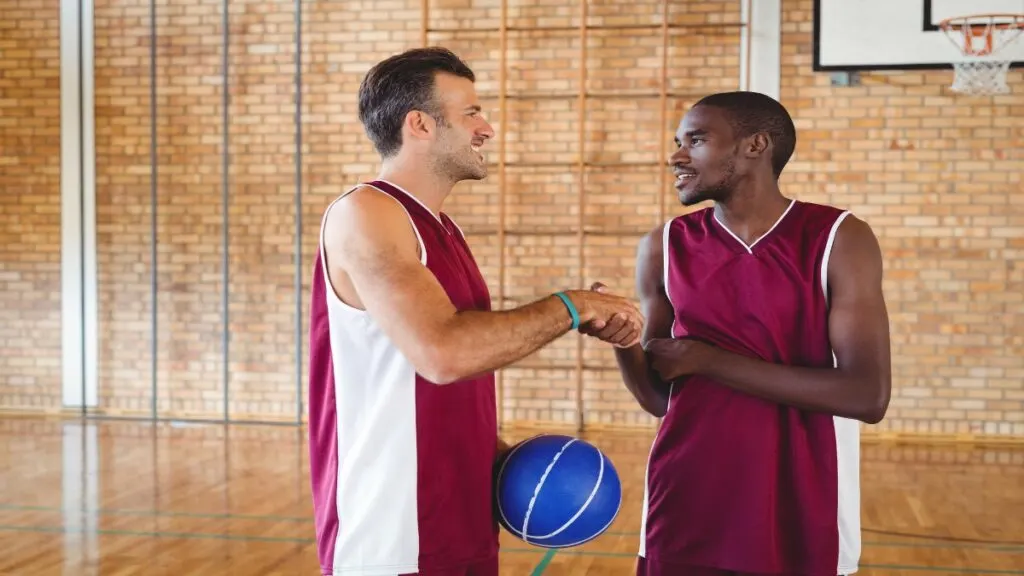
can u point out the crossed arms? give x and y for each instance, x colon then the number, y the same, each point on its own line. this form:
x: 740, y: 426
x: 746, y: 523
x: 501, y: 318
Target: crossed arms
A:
x: 858, y: 388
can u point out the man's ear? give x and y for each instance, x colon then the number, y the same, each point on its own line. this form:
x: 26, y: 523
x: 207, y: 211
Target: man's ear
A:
x: 419, y: 125
x: 756, y: 145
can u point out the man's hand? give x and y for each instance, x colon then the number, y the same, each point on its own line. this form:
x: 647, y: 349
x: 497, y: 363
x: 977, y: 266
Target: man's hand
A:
x: 622, y: 330
x: 673, y: 358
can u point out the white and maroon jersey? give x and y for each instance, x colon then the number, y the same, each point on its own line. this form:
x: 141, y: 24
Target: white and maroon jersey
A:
x: 401, y: 467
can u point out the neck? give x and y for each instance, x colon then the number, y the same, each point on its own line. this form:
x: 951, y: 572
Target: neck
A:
x: 417, y: 179
x: 752, y: 209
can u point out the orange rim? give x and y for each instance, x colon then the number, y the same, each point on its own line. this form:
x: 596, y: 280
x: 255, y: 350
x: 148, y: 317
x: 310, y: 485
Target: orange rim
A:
x: 980, y: 25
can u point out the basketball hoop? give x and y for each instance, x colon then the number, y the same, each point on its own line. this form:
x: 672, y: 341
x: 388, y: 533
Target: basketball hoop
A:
x: 980, y: 38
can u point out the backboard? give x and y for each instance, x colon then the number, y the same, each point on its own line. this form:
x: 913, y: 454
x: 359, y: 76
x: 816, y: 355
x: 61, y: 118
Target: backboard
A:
x: 851, y: 35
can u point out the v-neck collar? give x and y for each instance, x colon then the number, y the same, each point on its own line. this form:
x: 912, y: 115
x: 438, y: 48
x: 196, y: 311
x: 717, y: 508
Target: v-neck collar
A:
x: 750, y: 249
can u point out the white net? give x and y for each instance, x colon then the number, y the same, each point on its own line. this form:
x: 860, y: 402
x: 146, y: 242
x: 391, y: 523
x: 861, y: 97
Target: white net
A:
x: 981, y: 38
x: 980, y: 77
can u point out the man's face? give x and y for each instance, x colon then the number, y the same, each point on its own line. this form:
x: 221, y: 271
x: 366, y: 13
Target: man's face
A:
x: 705, y: 163
x: 456, y: 152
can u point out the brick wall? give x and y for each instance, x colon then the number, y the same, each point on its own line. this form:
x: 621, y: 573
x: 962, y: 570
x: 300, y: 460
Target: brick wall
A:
x: 30, y: 238
x: 939, y: 179
x: 919, y: 165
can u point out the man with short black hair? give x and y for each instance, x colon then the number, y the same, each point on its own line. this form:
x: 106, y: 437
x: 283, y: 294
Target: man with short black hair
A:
x: 766, y: 343
x: 404, y: 344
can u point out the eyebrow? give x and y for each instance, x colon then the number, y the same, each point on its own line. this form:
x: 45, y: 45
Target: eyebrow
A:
x: 697, y: 132
x: 474, y: 108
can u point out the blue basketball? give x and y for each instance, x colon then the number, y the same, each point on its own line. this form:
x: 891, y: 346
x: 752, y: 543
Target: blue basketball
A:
x: 557, y: 491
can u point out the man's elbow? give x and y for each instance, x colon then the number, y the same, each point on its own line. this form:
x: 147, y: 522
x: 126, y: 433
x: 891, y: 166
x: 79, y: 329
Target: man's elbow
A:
x: 873, y: 415
x: 437, y: 371
x: 877, y: 405
x: 439, y: 365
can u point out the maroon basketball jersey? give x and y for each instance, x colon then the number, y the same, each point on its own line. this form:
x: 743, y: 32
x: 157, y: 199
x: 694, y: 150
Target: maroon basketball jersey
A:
x: 736, y: 482
x: 401, y: 467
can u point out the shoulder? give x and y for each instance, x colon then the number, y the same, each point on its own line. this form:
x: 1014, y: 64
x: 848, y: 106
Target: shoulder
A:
x: 699, y: 216
x: 362, y: 201
x: 695, y: 222
x: 854, y: 234
x: 659, y: 238
x: 855, y: 247
x: 655, y: 242
x: 650, y: 251
x: 843, y: 234
x: 814, y: 226
x: 652, y: 240
x: 818, y: 215
x: 683, y: 232
x: 659, y: 241
x: 366, y: 218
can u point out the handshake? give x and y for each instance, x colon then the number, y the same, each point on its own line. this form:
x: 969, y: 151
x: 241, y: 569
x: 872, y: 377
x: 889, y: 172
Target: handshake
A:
x: 607, y: 317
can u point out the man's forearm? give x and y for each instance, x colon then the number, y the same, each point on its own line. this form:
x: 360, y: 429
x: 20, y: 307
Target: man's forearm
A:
x: 650, y: 392
x: 476, y: 342
x: 829, y: 390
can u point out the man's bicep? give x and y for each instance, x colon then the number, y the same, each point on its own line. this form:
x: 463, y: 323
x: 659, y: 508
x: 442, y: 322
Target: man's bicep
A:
x: 858, y: 318
x: 372, y: 240
x: 650, y: 286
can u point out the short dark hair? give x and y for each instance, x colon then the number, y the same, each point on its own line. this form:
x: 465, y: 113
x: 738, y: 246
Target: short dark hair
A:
x: 751, y: 112
x: 400, y: 84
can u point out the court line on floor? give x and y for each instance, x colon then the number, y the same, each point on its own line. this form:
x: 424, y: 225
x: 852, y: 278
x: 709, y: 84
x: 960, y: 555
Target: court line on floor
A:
x: 505, y: 549
x: 543, y: 564
x: 161, y: 513
x: 302, y: 519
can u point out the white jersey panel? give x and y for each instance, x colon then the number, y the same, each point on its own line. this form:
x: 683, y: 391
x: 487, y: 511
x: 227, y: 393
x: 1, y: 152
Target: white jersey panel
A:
x: 375, y: 398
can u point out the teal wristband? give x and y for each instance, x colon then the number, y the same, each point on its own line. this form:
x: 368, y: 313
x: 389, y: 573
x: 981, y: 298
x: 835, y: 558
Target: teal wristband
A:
x: 572, y: 309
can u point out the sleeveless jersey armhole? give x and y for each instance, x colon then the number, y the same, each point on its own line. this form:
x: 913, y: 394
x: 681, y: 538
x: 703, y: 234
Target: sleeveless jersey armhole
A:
x: 827, y: 255
x: 665, y: 261
x: 331, y: 291
x: 825, y: 259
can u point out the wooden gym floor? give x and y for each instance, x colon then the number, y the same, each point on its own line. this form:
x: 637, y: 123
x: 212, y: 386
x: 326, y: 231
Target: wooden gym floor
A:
x: 120, y: 498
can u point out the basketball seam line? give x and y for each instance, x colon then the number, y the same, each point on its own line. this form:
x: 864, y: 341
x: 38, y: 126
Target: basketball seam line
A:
x: 501, y: 476
x: 536, y: 489
x: 593, y: 493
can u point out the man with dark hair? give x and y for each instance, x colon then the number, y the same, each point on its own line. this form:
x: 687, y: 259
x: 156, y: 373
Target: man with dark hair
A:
x: 766, y: 343
x: 403, y: 342
x: 751, y: 112
x: 401, y: 84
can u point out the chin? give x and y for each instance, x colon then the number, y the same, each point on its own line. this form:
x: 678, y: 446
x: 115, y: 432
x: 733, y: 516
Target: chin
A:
x: 478, y: 172
x: 692, y: 198
x: 474, y: 175
x: 460, y: 172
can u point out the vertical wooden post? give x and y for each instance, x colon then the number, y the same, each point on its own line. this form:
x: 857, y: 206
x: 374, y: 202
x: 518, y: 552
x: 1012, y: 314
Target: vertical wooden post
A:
x: 424, y: 19
x: 503, y: 130
x: 580, y: 189
x: 747, y: 45
x: 662, y: 137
